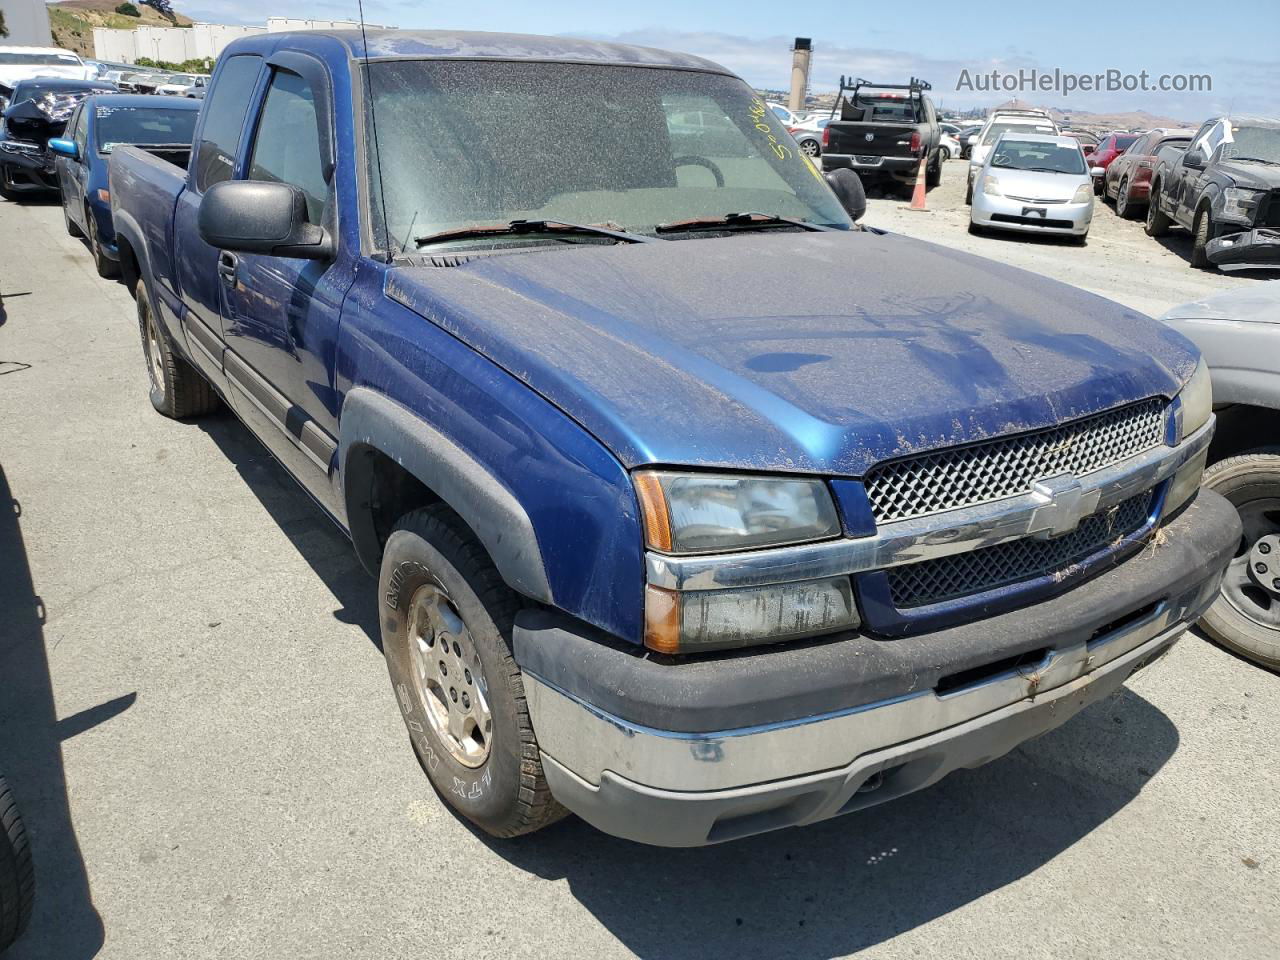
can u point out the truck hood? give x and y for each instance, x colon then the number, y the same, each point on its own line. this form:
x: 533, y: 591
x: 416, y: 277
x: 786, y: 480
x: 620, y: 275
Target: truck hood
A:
x: 1248, y: 173
x: 805, y: 352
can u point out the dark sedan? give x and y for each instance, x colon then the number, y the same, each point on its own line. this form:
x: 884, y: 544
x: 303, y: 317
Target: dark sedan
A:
x: 37, y: 111
x: 98, y: 126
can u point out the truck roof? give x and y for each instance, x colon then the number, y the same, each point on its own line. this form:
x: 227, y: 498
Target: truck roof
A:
x: 467, y: 45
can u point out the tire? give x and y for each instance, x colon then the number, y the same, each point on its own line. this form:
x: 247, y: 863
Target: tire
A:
x: 177, y: 388
x: 933, y: 173
x: 1124, y: 208
x: 1245, y: 617
x: 1157, y: 223
x: 1201, y: 234
x: 107, y: 268
x: 968, y: 194
x: 436, y: 580
x: 945, y: 153
x: 810, y: 147
x: 17, y: 873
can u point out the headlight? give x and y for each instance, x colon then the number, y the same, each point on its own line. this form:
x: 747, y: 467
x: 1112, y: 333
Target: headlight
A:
x: 1083, y: 194
x: 708, y: 513
x: 991, y: 186
x: 1195, y: 401
x: 1240, y: 203
x: 701, y: 620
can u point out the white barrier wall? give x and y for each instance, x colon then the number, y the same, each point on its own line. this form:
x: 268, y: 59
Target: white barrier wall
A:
x: 202, y: 41
x: 27, y: 22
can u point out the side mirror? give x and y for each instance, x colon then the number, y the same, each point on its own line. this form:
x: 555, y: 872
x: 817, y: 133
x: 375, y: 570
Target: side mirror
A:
x: 1193, y: 159
x: 1097, y: 171
x: 847, y: 186
x: 973, y: 140
x: 64, y: 148
x: 247, y: 216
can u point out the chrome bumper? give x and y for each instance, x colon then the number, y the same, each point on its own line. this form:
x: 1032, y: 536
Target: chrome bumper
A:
x: 682, y: 789
x: 925, y: 538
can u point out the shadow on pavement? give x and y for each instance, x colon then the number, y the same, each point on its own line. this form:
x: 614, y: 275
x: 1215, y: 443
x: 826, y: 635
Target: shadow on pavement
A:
x: 65, y: 924
x: 840, y: 886
x: 320, y: 543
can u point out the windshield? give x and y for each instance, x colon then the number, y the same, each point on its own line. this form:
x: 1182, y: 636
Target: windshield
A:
x: 1038, y: 156
x: 994, y: 131
x: 1126, y: 141
x: 462, y: 143
x: 1257, y: 143
x: 150, y: 125
x: 39, y: 60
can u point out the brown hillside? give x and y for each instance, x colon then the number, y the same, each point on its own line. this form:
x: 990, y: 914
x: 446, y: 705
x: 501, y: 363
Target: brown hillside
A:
x: 72, y: 22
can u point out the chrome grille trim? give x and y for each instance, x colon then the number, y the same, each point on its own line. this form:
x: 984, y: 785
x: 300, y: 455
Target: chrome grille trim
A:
x: 990, y: 568
x: 960, y: 477
x: 922, y: 538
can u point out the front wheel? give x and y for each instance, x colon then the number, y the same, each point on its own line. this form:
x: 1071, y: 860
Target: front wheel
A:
x: 810, y: 148
x: 107, y: 268
x: 968, y: 193
x: 1201, y: 234
x: 1246, y: 614
x: 17, y: 875
x: 1124, y: 209
x: 447, y: 620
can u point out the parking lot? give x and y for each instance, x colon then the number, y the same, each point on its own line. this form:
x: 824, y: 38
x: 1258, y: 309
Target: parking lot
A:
x: 195, y: 714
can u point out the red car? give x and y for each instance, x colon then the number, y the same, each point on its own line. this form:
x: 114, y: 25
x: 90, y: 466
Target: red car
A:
x: 1128, y: 178
x: 1113, y: 145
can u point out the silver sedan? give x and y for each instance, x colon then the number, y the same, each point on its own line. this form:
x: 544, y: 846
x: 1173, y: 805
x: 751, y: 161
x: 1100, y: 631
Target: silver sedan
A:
x: 1034, y: 183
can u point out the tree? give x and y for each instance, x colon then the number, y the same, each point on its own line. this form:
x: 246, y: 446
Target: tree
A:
x: 4, y: 31
x: 128, y: 10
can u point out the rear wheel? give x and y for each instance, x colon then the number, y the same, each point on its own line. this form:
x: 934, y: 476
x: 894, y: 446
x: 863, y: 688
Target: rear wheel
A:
x: 177, y: 388
x: 945, y: 153
x: 447, y: 620
x: 17, y: 874
x: 1246, y: 615
x: 810, y: 147
x: 1157, y: 222
x: 73, y: 229
x: 933, y: 172
x: 1124, y: 209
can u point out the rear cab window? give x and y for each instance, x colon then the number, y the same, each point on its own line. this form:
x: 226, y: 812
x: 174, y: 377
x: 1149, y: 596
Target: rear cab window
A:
x: 224, y: 110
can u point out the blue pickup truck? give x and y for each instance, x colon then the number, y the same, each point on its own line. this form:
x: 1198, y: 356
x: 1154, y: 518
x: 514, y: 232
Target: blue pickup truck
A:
x: 696, y: 508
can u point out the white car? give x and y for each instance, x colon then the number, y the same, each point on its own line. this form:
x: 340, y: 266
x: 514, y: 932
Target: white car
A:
x: 1018, y: 121
x: 809, y: 135
x: 21, y: 63
x: 949, y: 147
x: 1034, y: 183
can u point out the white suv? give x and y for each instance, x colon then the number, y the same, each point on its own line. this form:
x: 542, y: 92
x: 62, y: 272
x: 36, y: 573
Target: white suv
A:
x: 1016, y: 121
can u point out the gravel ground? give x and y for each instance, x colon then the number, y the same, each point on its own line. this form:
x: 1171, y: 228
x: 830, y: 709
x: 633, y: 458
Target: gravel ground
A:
x: 198, y: 724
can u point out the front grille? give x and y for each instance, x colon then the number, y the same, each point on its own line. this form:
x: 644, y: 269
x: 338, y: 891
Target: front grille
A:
x: 1036, y: 200
x: 946, y: 578
x: 1054, y: 223
x: 995, y: 469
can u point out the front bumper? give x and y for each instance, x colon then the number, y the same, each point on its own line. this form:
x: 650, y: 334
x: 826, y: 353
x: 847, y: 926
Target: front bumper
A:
x: 28, y: 169
x: 1007, y: 213
x: 1258, y: 248
x: 909, y: 710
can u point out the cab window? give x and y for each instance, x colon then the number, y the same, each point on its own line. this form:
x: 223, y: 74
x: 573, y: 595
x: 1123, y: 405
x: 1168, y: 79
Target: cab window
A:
x: 287, y: 147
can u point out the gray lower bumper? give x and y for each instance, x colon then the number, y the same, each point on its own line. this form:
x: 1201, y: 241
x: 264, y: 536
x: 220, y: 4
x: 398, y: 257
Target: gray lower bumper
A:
x: 680, y: 789
x: 1249, y: 249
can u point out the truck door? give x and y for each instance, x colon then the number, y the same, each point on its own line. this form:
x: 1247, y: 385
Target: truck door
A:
x: 280, y: 314
x: 213, y: 160
x: 1188, y: 172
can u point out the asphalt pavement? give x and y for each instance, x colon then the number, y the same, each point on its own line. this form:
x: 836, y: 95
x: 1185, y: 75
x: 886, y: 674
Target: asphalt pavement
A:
x: 196, y: 719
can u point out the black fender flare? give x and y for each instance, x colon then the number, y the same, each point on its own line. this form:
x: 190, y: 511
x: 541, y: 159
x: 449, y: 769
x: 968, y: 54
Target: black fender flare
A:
x: 373, y: 423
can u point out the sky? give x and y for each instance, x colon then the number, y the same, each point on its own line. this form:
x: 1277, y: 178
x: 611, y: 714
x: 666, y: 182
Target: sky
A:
x: 892, y: 41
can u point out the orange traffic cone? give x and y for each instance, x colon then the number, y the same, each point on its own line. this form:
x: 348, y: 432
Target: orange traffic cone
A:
x: 917, y: 195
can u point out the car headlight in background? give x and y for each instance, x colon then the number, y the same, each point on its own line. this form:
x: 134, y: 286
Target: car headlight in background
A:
x: 1083, y: 194
x: 1239, y: 203
x: 1195, y: 401
x: 710, y: 513
x: 991, y: 186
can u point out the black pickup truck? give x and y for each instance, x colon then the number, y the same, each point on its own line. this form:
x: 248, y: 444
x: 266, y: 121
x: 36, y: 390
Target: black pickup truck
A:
x: 1225, y: 189
x: 882, y: 132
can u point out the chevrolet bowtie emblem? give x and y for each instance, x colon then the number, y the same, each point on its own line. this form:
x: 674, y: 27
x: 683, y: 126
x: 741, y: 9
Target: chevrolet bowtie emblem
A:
x: 1064, y: 503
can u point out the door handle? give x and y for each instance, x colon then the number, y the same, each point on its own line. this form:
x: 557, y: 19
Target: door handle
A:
x: 227, y: 264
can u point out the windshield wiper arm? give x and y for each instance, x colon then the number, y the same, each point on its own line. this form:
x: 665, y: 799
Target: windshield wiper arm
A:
x: 517, y: 228
x: 736, y: 221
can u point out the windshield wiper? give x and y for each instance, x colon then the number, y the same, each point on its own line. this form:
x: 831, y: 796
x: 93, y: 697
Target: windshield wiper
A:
x: 736, y: 221
x: 1274, y: 163
x: 517, y: 228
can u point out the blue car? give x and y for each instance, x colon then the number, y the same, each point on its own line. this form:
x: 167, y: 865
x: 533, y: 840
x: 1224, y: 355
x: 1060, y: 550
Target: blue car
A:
x: 98, y: 125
